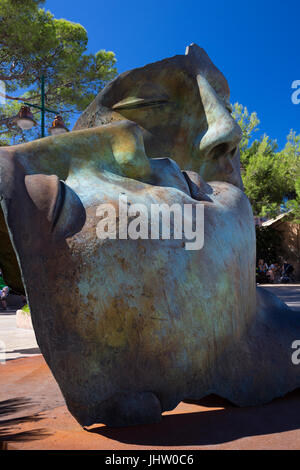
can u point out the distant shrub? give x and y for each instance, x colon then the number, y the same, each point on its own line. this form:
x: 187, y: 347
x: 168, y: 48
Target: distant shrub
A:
x: 26, y: 309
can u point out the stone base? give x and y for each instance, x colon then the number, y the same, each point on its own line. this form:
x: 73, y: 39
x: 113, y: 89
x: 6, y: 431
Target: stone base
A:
x: 23, y: 320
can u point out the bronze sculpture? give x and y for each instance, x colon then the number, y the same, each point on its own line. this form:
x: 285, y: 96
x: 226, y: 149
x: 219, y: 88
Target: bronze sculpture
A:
x: 131, y: 327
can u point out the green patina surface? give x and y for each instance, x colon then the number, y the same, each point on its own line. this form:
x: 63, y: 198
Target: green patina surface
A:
x: 131, y: 327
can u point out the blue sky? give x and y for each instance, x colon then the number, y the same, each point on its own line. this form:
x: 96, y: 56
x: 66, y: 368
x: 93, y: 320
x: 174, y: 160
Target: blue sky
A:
x: 255, y: 43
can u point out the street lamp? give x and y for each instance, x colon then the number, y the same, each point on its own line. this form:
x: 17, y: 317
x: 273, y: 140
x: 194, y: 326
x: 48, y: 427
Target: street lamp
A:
x: 25, y: 118
x: 58, y: 126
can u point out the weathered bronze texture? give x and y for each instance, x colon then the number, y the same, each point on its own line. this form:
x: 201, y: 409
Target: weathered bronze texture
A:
x: 130, y: 327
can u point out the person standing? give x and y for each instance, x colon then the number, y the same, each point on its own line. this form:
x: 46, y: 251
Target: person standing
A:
x: 3, y: 296
x: 262, y: 266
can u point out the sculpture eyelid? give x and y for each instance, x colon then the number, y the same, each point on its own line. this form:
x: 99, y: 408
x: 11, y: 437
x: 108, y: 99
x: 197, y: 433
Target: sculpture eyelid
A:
x: 229, y: 107
x: 139, y: 103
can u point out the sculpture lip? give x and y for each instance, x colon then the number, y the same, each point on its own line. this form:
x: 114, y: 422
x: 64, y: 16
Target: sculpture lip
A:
x: 59, y: 204
x: 199, y: 189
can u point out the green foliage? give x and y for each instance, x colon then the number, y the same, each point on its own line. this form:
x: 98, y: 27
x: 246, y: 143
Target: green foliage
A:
x: 26, y: 309
x: 289, y: 162
x: 262, y: 183
x: 32, y: 43
x: 294, y: 204
x: 268, y: 244
x: 249, y: 124
x: 269, y: 175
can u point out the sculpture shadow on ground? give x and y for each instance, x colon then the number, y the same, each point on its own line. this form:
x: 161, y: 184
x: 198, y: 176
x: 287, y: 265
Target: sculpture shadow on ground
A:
x: 25, y: 351
x: 213, y: 427
x: 8, y: 425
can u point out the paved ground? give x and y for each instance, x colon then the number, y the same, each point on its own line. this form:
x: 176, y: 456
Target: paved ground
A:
x: 15, y: 342
x: 289, y: 293
x: 33, y: 414
x: 35, y: 417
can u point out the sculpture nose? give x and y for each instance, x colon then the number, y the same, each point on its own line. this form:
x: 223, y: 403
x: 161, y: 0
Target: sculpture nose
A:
x: 223, y: 133
x: 218, y: 146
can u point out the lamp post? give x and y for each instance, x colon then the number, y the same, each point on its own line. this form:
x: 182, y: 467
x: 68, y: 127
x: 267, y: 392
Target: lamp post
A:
x: 25, y: 118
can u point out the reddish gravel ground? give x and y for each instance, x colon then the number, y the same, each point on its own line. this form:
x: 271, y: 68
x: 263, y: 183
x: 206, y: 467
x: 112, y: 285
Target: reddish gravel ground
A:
x: 33, y: 416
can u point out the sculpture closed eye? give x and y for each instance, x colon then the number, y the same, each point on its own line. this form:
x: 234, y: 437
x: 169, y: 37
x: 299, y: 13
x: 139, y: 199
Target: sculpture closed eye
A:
x: 182, y: 106
x: 133, y: 103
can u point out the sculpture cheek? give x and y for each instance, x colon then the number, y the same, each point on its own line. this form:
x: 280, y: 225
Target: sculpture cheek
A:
x: 128, y: 149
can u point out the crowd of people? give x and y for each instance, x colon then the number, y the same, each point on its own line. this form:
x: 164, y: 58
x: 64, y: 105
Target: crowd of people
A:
x: 274, y: 273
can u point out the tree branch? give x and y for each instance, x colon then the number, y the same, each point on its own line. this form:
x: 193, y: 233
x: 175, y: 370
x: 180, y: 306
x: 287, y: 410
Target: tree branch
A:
x: 7, y: 121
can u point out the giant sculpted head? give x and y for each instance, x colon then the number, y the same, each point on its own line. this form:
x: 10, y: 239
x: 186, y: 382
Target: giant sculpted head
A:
x: 130, y: 326
x: 182, y: 106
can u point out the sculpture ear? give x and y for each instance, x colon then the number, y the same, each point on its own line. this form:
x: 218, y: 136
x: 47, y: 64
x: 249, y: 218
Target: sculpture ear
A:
x: 44, y: 191
x: 58, y: 203
x: 70, y: 215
